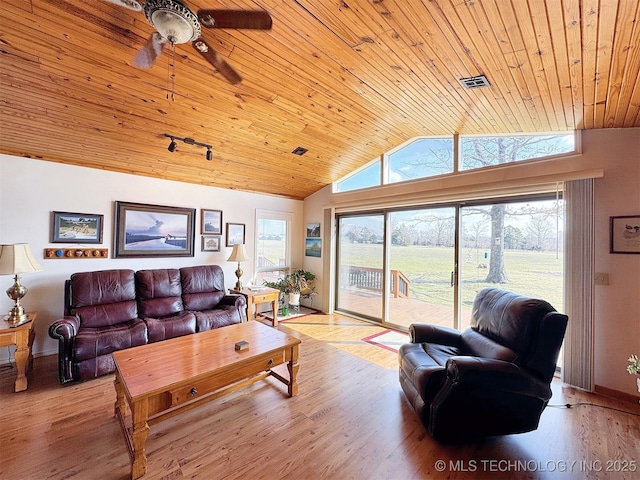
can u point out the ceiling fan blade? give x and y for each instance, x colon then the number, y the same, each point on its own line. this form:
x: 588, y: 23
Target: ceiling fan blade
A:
x: 253, y: 19
x: 130, y: 4
x: 150, y: 52
x: 218, y: 62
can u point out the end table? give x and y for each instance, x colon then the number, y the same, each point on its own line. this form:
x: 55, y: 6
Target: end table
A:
x: 262, y: 295
x: 22, y: 337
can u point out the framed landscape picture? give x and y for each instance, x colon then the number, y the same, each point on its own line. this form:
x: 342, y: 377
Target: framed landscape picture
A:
x: 153, y: 231
x: 69, y: 227
x: 211, y: 222
x: 313, y: 247
x: 235, y: 233
x: 625, y: 234
x: 210, y: 243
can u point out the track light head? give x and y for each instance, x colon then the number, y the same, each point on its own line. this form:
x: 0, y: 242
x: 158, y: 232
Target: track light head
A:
x: 209, y: 154
x: 173, y: 146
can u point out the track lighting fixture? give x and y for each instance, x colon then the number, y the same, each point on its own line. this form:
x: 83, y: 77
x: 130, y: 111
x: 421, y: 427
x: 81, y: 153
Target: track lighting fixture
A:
x: 173, y: 146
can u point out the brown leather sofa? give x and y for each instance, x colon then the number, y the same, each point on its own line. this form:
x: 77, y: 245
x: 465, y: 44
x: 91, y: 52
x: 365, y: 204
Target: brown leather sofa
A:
x: 112, y: 310
x: 492, y: 379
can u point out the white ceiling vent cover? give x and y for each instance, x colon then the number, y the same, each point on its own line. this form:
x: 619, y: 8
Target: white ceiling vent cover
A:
x: 475, y: 82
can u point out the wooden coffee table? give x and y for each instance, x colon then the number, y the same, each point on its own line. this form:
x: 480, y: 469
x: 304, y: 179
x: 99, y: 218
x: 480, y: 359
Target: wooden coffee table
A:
x: 159, y: 380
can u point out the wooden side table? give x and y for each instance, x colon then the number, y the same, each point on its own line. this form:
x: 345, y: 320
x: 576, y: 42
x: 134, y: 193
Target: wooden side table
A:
x: 264, y: 295
x: 22, y: 337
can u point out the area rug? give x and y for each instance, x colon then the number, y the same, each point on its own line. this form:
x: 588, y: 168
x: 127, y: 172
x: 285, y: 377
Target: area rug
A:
x: 389, y: 339
x: 283, y: 318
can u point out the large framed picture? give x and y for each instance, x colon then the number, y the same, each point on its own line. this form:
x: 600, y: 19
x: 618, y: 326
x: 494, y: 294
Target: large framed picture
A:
x: 235, y: 234
x: 67, y: 227
x: 153, y: 231
x: 625, y: 234
x: 211, y: 222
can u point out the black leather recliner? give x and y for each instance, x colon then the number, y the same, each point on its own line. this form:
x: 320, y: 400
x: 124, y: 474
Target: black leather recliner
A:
x: 492, y: 379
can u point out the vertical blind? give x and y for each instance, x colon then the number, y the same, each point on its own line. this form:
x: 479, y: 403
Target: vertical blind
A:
x: 577, y: 369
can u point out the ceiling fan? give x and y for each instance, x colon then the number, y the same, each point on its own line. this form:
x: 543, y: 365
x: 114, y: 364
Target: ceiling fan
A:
x: 175, y: 23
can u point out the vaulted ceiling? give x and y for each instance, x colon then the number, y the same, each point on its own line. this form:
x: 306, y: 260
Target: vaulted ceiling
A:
x: 346, y: 80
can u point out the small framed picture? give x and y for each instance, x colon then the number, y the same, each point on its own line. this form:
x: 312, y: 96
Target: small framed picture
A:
x: 235, y: 234
x: 211, y: 222
x: 625, y: 234
x: 69, y: 227
x: 313, y: 230
x: 210, y: 243
x: 313, y: 247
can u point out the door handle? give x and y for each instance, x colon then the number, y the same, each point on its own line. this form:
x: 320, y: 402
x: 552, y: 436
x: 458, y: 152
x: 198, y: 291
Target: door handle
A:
x: 453, y: 278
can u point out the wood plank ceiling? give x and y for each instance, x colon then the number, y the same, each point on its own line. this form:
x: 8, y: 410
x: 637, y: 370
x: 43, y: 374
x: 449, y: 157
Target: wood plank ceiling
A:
x: 346, y: 80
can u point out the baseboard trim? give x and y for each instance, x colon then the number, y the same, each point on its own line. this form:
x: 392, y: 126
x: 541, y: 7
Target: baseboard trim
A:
x: 617, y: 394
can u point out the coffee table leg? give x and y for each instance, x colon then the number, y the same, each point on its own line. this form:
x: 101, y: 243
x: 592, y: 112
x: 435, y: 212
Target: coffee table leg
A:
x: 293, y: 368
x: 139, y: 434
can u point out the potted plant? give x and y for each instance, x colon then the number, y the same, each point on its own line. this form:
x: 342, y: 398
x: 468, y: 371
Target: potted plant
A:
x: 634, y: 368
x: 294, y: 284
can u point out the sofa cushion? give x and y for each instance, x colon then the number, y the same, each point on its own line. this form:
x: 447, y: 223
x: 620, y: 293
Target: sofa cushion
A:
x: 219, y: 317
x: 159, y: 292
x: 202, y: 287
x: 93, y: 342
x: 170, y: 327
x: 478, y: 345
x: 103, y: 298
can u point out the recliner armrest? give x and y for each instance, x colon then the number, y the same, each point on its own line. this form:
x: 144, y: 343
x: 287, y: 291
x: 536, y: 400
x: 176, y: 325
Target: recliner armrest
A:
x: 427, y: 333
x: 65, y: 330
x: 495, y: 375
x: 237, y: 301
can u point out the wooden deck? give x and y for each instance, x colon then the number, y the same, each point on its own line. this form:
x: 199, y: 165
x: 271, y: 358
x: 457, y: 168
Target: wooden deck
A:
x: 403, y: 311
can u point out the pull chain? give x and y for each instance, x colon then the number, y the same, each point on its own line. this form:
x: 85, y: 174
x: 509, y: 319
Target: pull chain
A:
x: 171, y: 74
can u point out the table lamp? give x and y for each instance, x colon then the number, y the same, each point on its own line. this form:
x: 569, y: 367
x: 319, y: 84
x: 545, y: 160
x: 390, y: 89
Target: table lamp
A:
x: 238, y: 254
x: 16, y: 259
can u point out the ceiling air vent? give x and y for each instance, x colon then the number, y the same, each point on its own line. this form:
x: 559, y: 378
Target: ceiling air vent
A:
x: 299, y: 151
x: 475, y: 82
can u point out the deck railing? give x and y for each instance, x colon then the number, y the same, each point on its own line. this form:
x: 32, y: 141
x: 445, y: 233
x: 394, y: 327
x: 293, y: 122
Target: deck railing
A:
x: 371, y: 279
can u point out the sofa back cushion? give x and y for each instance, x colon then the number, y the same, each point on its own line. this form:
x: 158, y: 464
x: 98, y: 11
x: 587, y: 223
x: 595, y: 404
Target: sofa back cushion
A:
x: 202, y: 287
x: 102, y: 298
x: 530, y: 327
x: 159, y: 292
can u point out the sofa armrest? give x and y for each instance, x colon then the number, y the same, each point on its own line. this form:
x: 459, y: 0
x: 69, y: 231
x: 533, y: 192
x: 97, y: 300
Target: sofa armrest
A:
x: 487, y: 374
x: 237, y: 301
x: 428, y: 333
x: 65, y: 330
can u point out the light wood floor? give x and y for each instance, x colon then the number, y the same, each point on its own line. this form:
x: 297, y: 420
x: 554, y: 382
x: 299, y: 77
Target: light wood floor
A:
x: 349, y: 421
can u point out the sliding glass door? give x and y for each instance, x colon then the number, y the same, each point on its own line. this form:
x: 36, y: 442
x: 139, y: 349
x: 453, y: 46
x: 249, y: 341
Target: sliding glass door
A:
x: 360, y: 257
x: 422, y: 265
x: 431, y: 262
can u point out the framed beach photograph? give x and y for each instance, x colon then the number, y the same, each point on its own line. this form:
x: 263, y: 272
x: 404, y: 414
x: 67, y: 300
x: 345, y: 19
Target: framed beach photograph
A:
x: 312, y: 247
x: 153, y: 231
x: 235, y: 234
x: 625, y: 234
x: 313, y: 230
x: 210, y: 243
x: 211, y: 222
x: 67, y: 227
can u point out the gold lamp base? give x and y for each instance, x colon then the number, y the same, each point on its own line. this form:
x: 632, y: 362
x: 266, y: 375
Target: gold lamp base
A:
x: 17, y: 315
x: 239, y: 273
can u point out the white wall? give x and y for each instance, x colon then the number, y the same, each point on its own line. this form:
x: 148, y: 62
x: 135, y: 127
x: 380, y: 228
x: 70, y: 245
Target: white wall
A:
x: 617, y: 306
x: 31, y: 189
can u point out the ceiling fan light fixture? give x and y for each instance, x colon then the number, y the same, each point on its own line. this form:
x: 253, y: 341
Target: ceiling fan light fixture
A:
x: 173, y: 20
x: 201, y: 46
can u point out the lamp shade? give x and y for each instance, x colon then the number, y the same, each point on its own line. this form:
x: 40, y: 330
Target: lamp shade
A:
x: 238, y: 254
x: 17, y: 258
